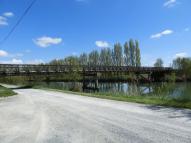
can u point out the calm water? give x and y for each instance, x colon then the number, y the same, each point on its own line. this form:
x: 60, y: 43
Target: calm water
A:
x: 174, y: 90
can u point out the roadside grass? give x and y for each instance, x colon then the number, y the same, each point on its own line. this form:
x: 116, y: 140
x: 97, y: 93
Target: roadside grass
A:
x: 144, y: 99
x: 5, y: 92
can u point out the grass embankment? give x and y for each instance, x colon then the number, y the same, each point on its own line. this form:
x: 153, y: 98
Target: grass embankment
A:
x: 5, y: 92
x: 144, y: 99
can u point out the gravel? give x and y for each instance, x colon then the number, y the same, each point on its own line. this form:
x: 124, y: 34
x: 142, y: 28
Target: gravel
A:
x: 37, y: 116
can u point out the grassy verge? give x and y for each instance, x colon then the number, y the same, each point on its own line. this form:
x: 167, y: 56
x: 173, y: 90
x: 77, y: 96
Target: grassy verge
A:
x: 149, y: 99
x: 5, y: 92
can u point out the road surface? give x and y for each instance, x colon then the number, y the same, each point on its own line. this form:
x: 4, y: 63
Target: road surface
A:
x: 37, y: 116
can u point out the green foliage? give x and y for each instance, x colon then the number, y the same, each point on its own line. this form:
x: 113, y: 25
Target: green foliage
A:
x: 118, y: 55
x: 132, y: 55
x: 159, y: 63
x: 83, y: 59
x: 94, y: 58
x: 184, y: 65
x: 172, y: 77
x: 4, y: 92
x: 137, y: 54
x: 105, y: 57
x: 126, y: 54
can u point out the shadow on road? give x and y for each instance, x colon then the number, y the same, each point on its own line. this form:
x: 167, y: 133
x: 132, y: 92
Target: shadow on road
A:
x: 173, y: 112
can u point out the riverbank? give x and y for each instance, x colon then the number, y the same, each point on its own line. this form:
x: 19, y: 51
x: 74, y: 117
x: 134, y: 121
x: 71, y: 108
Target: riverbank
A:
x: 143, y: 99
x: 149, y: 99
x: 5, y: 92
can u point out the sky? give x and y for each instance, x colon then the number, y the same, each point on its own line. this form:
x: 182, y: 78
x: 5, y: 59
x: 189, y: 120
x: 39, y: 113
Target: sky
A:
x: 54, y: 29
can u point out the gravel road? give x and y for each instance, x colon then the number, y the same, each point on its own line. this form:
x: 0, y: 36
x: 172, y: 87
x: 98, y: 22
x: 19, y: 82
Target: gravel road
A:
x: 37, y: 116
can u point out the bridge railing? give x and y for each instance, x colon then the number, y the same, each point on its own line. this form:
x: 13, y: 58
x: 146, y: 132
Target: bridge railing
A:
x: 22, y: 68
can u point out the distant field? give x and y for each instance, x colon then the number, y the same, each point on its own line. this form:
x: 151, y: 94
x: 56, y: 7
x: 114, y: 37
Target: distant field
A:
x: 4, y: 92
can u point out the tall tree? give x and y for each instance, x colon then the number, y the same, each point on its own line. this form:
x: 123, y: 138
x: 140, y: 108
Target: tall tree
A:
x: 184, y: 65
x: 118, y: 55
x: 109, y: 57
x: 106, y: 57
x: 137, y: 54
x: 83, y: 59
x: 72, y: 61
x: 103, y: 56
x: 94, y: 58
x: 126, y: 54
x: 158, y: 63
x: 132, y: 53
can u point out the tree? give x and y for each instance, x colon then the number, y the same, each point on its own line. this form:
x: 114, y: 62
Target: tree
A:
x: 94, y: 58
x: 71, y: 61
x: 105, y: 57
x: 159, y: 63
x: 83, y: 59
x: 132, y: 53
x: 56, y: 62
x: 184, y: 65
x: 118, y: 55
x: 109, y: 57
x: 126, y: 54
x: 137, y: 54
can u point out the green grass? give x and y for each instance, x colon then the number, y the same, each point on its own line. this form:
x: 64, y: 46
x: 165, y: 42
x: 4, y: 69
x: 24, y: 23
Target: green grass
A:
x: 148, y: 99
x: 5, y: 92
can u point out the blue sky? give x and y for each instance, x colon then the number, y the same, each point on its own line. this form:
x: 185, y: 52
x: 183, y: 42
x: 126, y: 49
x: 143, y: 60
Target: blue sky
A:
x: 59, y: 28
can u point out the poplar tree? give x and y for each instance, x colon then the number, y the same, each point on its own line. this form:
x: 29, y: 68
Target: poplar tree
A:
x: 132, y: 52
x: 118, y: 54
x: 94, y: 58
x: 138, y: 54
x: 126, y: 54
x: 106, y: 57
x: 83, y: 59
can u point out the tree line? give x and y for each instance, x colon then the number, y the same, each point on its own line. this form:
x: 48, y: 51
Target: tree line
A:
x: 127, y: 55
x: 183, y: 65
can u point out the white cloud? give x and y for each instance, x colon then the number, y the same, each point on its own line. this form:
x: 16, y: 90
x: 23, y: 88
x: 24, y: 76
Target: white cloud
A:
x: 3, y: 53
x: 170, y: 3
x: 13, y: 61
x: 3, y: 21
x: 20, y: 61
x: 47, y: 41
x: 163, y: 33
x: 8, y: 14
x: 181, y: 55
x: 17, y: 61
x: 102, y: 44
x: 187, y: 29
x: 10, y: 55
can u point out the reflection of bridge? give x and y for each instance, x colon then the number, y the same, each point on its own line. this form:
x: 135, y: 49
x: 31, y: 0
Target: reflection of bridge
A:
x: 88, y: 72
